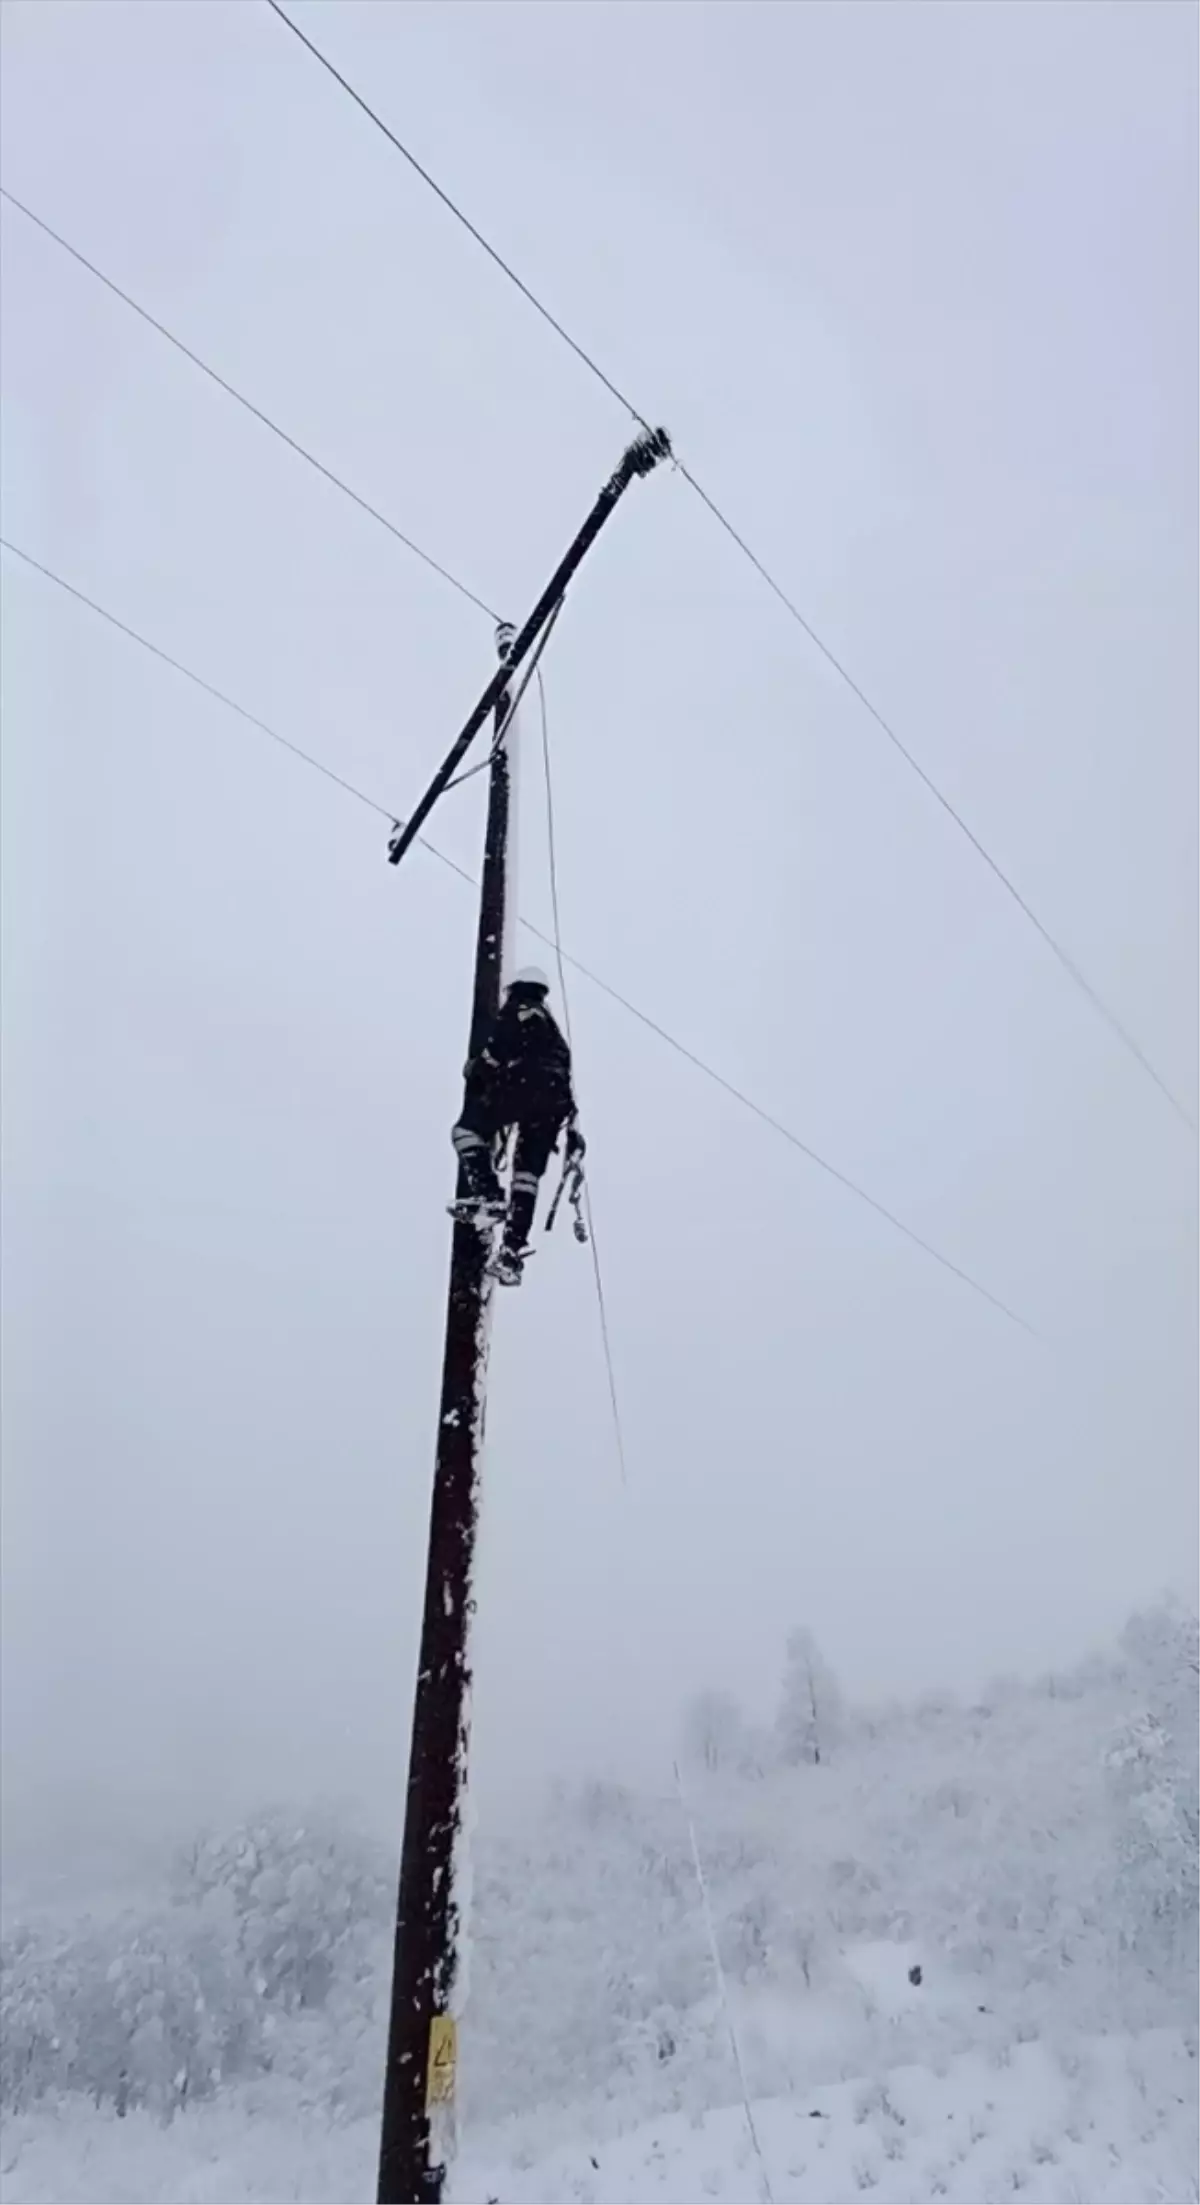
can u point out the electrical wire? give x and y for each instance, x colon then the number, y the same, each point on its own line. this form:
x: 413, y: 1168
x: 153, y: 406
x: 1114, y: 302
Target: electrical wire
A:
x: 776, y: 1124
x: 459, y: 216
x: 248, y: 404
x: 601, y: 1303
x: 739, y: 1095
x: 285, y: 743
x: 1067, y: 962
x: 1065, y: 959
x: 576, y: 963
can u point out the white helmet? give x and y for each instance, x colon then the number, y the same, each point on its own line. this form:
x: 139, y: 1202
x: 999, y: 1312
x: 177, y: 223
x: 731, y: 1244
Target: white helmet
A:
x: 530, y: 976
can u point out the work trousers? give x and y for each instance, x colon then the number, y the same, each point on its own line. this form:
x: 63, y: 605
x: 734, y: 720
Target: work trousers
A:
x: 475, y: 1137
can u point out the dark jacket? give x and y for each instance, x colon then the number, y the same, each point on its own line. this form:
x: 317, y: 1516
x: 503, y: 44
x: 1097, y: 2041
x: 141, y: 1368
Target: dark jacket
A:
x: 524, y: 1067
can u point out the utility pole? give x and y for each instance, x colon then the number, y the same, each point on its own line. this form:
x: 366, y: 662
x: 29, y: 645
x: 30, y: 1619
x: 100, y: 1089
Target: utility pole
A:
x: 419, y: 2080
x: 420, y: 2073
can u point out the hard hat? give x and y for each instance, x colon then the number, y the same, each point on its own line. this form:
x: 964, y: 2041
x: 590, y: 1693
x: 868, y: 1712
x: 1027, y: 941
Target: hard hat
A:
x: 530, y: 976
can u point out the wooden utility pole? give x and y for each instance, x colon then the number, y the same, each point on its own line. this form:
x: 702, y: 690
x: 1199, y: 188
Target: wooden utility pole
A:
x: 420, y: 2074
x: 422, y: 2039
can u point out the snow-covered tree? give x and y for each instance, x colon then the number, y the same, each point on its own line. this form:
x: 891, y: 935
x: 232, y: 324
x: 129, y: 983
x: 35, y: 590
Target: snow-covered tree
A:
x: 713, y: 1732
x: 305, y: 1895
x: 136, y: 2012
x: 1040, y: 1855
x: 811, y: 1714
x: 1153, y: 1785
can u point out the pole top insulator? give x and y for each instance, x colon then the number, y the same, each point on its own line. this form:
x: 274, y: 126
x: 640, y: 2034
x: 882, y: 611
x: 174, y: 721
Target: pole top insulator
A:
x: 647, y: 450
x: 506, y: 636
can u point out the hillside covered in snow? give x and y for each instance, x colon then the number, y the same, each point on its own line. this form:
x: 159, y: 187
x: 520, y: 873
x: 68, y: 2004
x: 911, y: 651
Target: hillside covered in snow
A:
x: 957, y: 1947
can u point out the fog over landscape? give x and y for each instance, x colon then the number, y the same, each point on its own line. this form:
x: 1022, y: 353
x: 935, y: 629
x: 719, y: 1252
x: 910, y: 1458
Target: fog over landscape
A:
x: 913, y: 289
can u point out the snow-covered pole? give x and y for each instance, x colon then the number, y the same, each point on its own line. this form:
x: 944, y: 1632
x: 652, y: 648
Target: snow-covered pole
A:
x: 420, y: 2075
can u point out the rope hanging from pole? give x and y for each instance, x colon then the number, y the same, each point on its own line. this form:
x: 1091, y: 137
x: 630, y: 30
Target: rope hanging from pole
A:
x: 573, y: 1184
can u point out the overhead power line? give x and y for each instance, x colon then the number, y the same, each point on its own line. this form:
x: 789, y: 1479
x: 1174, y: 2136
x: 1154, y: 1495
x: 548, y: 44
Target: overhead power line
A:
x: 459, y: 216
x: 385, y: 812
x: 1067, y: 962
x: 209, y: 688
x: 248, y: 404
x: 1065, y: 959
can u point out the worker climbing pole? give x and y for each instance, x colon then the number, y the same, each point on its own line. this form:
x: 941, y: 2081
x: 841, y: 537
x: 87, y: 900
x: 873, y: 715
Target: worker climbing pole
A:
x: 528, y: 1069
x: 520, y: 1083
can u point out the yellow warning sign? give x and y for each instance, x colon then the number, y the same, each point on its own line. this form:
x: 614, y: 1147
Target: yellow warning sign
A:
x: 443, y: 2060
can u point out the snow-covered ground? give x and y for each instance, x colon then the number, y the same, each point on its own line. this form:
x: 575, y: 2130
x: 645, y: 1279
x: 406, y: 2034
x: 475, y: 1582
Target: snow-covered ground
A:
x: 957, y: 1947
x: 1111, y: 2120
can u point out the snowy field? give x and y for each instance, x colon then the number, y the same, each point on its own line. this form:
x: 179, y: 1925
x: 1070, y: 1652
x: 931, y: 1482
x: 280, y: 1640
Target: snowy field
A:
x: 957, y: 1944
x: 1113, y: 2121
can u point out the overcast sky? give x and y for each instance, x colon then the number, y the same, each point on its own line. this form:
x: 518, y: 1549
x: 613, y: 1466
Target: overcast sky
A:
x: 914, y: 289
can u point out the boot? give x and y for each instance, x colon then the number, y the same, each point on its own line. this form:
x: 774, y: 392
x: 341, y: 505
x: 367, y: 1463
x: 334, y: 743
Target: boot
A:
x: 521, y: 1205
x: 508, y: 1266
x: 480, y: 1197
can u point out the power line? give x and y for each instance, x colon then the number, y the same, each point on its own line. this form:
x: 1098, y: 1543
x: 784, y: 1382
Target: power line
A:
x: 209, y: 687
x: 777, y: 1125
x: 459, y: 216
x: 1064, y: 958
x: 248, y: 404
x: 576, y: 963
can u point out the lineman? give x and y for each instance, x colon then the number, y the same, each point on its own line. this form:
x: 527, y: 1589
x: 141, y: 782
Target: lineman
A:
x: 521, y: 1077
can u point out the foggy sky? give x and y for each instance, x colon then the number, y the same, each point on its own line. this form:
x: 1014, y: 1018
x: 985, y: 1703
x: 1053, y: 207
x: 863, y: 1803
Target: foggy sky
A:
x: 913, y: 288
